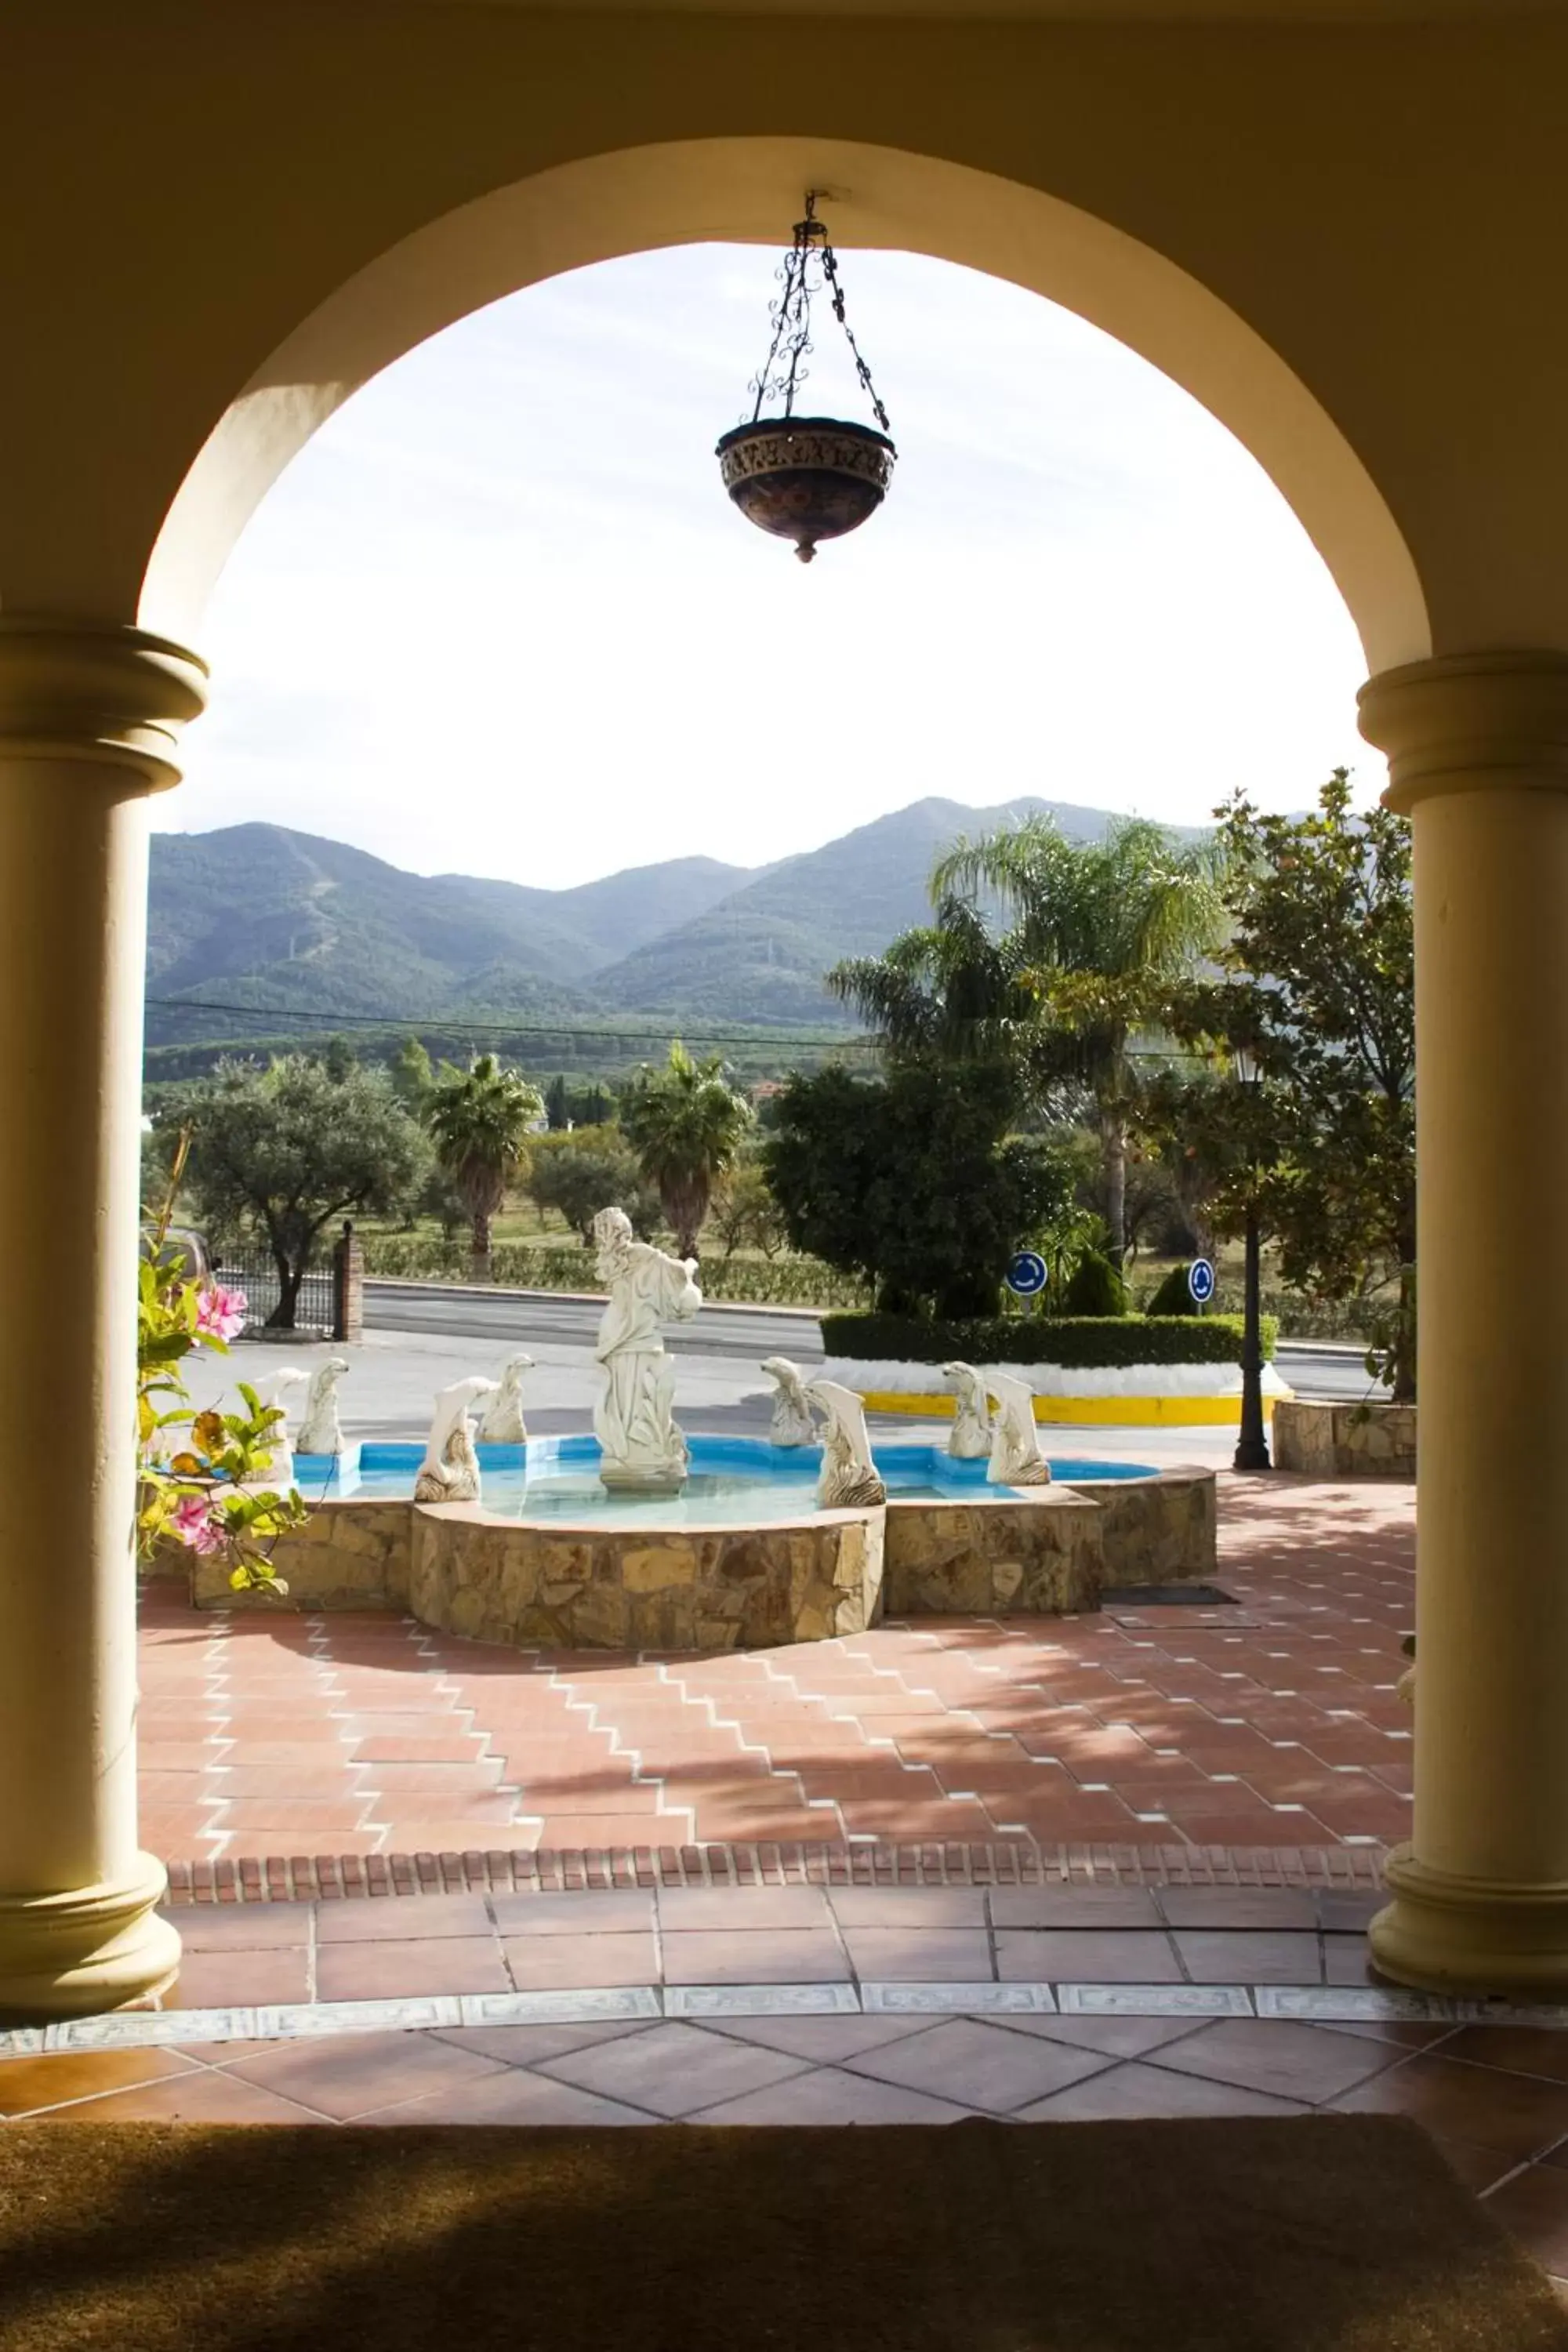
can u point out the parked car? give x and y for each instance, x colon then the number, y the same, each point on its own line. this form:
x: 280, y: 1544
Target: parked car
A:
x: 181, y: 1241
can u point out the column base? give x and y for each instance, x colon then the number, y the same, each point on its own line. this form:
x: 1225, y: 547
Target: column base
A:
x: 90, y: 1949
x: 1476, y: 1936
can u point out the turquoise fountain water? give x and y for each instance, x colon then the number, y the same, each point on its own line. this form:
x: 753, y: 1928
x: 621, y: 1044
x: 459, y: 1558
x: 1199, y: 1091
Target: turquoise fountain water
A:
x: 733, y: 1481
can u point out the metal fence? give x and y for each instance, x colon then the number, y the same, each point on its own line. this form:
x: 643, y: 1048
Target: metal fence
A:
x: 315, y: 1309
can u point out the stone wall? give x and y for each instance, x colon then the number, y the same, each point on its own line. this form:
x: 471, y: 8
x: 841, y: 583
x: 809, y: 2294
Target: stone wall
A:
x: 1158, y: 1531
x: 1345, y: 1441
x: 1041, y: 1556
x: 349, y: 1555
x: 687, y: 1589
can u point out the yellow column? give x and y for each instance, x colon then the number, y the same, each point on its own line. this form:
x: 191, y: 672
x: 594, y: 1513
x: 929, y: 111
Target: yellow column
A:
x: 87, y: 732
x: 1478, y: 749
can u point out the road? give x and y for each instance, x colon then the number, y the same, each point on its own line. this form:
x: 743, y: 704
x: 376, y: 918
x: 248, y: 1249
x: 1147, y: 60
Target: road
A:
x: 744, y: 1334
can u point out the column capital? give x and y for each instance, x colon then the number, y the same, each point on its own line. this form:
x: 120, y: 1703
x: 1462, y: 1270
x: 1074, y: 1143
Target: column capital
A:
x: 115, y: 695
x: 1470, y: 723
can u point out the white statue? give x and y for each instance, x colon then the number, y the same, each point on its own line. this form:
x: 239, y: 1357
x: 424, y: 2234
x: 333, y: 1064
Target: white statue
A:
x: 639, y: 1444
x: 269, y: 1393
x: 970, y: 1439
x: 320, y: 1431
x: 450, y: 1470
x: 849, y: 1476
x: 792, y: 1423
x: 503, y: 1424
x: 1016, y: 1456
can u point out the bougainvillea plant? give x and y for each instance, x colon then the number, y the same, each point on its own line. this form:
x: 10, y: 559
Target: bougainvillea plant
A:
x: 202, y: 1478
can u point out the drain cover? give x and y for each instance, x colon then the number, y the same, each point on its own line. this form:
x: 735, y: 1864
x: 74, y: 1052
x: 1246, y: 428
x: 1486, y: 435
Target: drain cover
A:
x: 1167, y: 1596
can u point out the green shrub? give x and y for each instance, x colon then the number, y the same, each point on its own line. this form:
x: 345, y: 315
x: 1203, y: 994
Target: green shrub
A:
x: 1096, y: 1288
x: 1172, y: 1296
x: 1077, y: 1343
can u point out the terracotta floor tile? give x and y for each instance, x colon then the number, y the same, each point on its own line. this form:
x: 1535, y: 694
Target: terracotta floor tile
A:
x: 347, y: 2074
x: 907, y: 1907
x: 1073, y: 1907
x: 549, y: 1963
x: 673, y: 2069
x: 919, y: 1956
x: 1085, y: 1956
x: 1480, y: 2168
x: 979, y: 2065
x: 1518, y: 2049
x: 762, y: 1956
x: 1113, y: 2037
x: 1515, y: 2114
x: 824, y: 2040
x: 369, y: 1919
x: 1225, y: 1955
x: 224, y: 1978
x: 527, y: 2045
x: 598, y: 1832
x: 1239, y: 1907
x: 830, y: 2095
x: 382, y: 1970
x: 612, y: 1912
x: 511, y: 2096
x: 732, y: 1908
x: 1295, y: 2062
x: 199, y: 2097
x: 1533, y: 2205
x: 1347, y: 1960
x: 29, y: 2083
x: 241, y: 1927
x: 1139, y: 2090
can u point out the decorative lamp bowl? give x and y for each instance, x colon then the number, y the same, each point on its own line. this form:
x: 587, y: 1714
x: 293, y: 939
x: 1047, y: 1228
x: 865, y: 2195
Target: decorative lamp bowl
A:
x: 805, y: 477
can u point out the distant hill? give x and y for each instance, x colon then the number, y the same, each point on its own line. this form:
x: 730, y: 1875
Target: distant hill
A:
x: 256, y: 916
x: 767, y: 945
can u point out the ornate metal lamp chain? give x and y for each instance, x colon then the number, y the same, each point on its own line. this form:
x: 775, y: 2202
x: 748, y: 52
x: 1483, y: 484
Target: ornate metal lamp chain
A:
x: 784, y: 372
x: 830, y: 272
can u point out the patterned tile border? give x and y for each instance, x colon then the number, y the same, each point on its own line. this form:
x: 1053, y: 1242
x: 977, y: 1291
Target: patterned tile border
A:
x: 300, y: 1878
x: 636, y: 2004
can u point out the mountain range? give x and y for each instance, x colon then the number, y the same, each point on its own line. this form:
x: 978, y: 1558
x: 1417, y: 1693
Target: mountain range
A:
x: 256, y: 916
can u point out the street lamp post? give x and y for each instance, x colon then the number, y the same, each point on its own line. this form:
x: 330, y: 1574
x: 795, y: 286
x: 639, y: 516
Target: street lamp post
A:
x: 1252, y: 1443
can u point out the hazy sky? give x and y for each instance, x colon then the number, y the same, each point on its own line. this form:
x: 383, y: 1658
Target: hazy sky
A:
x: 499, y: 617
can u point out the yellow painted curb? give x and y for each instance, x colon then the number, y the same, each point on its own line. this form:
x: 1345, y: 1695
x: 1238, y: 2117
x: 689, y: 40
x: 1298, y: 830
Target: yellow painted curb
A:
x: 1152, y: 1412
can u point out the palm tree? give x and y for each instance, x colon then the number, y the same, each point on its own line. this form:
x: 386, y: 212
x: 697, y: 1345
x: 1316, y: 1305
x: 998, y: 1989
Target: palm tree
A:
x: 479, y: 1120
x: 1104, y: 931
x: 686, y: 1123
x: 947, y: 992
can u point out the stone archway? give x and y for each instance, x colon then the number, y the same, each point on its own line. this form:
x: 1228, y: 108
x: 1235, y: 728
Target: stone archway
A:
x: 746, y: 191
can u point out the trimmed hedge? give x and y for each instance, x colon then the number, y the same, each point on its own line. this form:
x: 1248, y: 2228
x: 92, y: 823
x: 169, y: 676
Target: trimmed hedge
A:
x: 1077, y: 1343
x: 783, y: 1282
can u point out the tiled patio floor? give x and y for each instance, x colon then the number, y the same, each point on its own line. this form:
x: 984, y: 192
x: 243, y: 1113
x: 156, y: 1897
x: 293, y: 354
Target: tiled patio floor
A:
x: 1269, y: 1723
x: 1495, y: 2097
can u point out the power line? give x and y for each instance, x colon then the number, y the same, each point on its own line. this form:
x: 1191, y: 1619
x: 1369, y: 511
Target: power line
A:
x: 280, y: 1018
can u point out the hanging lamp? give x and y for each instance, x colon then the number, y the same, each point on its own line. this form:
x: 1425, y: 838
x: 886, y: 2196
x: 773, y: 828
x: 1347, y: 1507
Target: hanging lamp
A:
x: 805, y: 477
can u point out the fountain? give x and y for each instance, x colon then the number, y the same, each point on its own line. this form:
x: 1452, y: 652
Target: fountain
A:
x: 269, y: 1396
x: 502, y: 1423
x: 1016, y: 1456
x: 849, y: 1478
x: 320, y: 1431
x: 970, y: 1439
x: 636, y: 1538
x: 450, y: 1470
x: 642, y: 1452
x: 792, y: 1423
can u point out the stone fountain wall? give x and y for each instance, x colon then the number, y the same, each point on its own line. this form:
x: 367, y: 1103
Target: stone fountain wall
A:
x: 1041, y: 1556
x: 692, y: 1589
x: 1042, y: 1552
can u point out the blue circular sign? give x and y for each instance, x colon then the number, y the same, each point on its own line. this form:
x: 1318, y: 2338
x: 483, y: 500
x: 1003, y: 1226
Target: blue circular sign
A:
x: 1200, y: 1280
x: 1026, y: 1274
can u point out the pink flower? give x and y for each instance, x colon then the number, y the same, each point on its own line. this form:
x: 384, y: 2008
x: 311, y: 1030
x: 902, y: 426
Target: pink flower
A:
x: 195, y: 1524
x: 220, y: 1314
